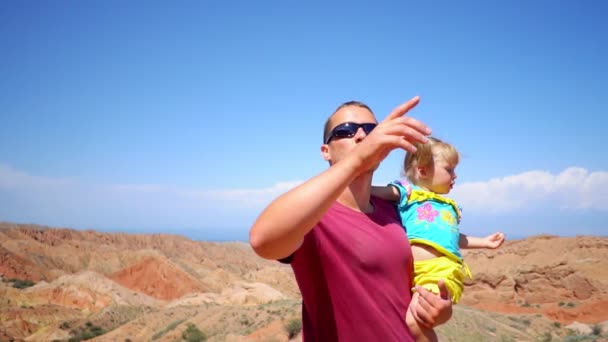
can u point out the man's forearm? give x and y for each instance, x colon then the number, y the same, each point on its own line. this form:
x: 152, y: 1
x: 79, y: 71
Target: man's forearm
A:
x: 281, y: 227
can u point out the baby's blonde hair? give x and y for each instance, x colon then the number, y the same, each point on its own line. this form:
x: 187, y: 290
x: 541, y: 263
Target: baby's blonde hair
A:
x: 425, y: 156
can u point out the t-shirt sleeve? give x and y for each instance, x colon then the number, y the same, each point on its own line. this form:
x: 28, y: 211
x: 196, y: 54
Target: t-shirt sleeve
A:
x: 287, y: 259
x: 404, y: 189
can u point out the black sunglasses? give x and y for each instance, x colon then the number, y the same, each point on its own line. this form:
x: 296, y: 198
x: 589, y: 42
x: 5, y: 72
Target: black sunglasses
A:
x: 349, y: 129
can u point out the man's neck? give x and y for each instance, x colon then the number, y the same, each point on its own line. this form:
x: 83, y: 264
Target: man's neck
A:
x: 357, y: 195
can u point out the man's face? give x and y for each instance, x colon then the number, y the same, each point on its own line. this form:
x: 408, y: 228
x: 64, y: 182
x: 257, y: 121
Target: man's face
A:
x: 339, y: 147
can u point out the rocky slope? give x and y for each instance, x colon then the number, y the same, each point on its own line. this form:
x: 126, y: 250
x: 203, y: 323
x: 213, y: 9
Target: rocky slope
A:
x: 562, y: 278
x: 153, y: 287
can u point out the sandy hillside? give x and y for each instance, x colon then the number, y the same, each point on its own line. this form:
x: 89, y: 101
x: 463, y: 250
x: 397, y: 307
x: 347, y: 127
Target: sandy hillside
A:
x: 59, y: 284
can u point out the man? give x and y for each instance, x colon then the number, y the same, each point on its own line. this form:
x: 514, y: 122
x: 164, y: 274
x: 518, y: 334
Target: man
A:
x: 349, y: 253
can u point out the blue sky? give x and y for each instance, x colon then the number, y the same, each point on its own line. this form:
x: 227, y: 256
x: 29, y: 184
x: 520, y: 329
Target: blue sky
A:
x: 188, y: 117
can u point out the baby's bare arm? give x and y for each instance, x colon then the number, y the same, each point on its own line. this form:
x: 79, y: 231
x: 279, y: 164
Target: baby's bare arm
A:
x: 389, y: 193
x: 491, y: 241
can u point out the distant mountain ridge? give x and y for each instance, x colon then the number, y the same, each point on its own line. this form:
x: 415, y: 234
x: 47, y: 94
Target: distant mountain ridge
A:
x: 152, y: 286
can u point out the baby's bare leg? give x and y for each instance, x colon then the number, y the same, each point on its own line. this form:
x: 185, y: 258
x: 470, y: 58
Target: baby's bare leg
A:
x: 420, y: 332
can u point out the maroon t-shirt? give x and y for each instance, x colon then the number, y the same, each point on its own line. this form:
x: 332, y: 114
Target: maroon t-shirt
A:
x: 354, y: 271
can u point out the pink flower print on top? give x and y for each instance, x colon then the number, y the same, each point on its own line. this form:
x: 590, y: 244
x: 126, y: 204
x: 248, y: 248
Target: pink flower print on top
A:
x: 427, y: 213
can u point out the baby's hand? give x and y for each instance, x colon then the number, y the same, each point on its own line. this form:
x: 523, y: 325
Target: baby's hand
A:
x: 495, y: 240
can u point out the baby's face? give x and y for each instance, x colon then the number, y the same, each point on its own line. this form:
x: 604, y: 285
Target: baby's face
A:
x: 444, y: 176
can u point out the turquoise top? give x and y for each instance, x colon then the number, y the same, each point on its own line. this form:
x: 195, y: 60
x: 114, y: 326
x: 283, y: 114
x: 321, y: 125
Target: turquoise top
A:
x: 429, y: 218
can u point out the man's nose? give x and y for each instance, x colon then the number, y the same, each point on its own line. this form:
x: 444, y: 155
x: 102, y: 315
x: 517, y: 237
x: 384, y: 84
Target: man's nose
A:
x: 360, y: 134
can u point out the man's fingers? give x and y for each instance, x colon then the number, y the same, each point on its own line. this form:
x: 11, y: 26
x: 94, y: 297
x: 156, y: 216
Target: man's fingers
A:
x: 425, y: 310
x: 403, y: 108
x: 400, y: 142
x: 411, y: 125
x: 433, y: 309
x: 444, y: 293
x: 419, y: 315
x: 407, y: 130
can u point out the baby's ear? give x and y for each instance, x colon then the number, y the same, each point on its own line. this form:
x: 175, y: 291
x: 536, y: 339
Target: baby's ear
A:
x: 423, y: 171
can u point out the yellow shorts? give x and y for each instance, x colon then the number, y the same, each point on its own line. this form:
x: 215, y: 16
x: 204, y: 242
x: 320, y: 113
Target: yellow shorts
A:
x: 428, y: 272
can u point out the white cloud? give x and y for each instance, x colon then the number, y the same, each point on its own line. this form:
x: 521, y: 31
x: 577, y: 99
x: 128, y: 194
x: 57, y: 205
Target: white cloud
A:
x: 245, y: 198
x: 254, y: 196
x: 13, y: 179
x: 573, y: 188
x: 47, y: 200
x: 60, y: 201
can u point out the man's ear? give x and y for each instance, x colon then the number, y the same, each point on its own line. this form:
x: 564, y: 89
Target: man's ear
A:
x: 325, y: 152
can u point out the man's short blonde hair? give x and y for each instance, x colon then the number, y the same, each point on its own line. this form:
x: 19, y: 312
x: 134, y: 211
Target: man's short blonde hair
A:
x: 328, y: 124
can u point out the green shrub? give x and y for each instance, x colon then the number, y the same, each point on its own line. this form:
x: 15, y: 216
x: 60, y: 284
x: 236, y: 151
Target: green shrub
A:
x: 576, y: 338
x: 167, y: 329
x: 293, y: 327
x: 87, y: 332
x: 546, y: 337
x: 20, y: 283
x: 596, y: 330
x: 193, y: 334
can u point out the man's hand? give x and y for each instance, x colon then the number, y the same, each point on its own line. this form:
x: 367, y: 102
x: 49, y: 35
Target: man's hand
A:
x: 431, y: 309
x: 396, y: 131
x: 404, y: 130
